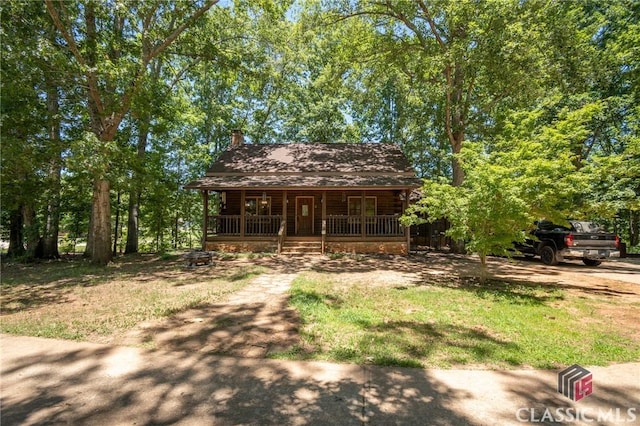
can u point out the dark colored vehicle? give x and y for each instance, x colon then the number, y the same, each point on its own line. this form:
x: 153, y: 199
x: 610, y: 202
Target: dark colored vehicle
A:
x: 583, y: 240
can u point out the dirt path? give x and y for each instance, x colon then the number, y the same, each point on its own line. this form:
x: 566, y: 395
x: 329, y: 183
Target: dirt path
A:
x: 249, y: 323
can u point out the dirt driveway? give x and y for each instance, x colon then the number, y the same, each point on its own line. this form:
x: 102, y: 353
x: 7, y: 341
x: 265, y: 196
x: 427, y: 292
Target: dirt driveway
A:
x: 257, y: 320
x: 623, y: 271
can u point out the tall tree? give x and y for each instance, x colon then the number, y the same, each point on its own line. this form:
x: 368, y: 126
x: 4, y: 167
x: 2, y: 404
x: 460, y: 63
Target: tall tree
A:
x: 529, y: 174
x: 203, y: 82
x: 112, y: 49
x: 143, y: 110
x: 473, y: 56
x: 29, y: 73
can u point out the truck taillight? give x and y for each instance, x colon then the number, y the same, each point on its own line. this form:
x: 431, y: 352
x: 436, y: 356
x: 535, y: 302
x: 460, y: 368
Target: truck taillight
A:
x: 617, y: 242
x: 568, y: 240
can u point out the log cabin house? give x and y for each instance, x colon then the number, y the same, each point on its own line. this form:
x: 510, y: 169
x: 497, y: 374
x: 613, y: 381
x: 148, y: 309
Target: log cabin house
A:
x: 338, y: 197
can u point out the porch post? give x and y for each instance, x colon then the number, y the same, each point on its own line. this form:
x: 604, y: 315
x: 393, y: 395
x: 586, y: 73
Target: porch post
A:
x: 242, y: 212
x: 324, y: 205
x: 407, y: 229
x: 284, y: 210
x: 205, y: 221
x: 363, y: 214
x: 323, y: 229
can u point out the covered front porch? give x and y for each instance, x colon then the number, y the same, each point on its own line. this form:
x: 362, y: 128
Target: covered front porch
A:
x: 364, y: 220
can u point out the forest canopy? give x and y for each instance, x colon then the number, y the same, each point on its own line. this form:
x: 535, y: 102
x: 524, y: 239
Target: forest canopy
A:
x: 109, y: 107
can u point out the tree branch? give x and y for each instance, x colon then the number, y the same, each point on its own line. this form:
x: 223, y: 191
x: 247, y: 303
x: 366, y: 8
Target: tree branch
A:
x: 184, y: 69
x: 432, y: 25
x: 71, y: 43
x: 397, y: 14
x: 447, y: 107
x: 171, y: 38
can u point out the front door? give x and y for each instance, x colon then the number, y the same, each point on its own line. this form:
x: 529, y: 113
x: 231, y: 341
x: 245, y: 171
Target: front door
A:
x: 304, y: 215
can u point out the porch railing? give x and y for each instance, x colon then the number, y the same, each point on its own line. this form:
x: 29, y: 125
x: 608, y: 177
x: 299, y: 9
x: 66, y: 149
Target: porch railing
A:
x: 262, y: 225
x: 230, y: 225
x: 379, y: 225
x: 223, y: 225
x: 269, y: 225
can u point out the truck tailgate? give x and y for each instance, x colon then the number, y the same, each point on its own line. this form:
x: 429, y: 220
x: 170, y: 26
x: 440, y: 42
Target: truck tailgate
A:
x: 601, y: 240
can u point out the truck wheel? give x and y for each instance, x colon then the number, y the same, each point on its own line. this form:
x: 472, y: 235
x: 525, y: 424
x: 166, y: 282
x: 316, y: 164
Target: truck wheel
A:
x: 548, y: 256
x: 591, y: 262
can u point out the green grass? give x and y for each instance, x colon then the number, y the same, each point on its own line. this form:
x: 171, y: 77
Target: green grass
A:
x: 448, y: 323
x: 494, y: 325
x: 78, y: 301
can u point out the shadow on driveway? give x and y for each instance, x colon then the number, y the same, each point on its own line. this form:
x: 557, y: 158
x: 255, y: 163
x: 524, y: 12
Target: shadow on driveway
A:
x: 57, y: 382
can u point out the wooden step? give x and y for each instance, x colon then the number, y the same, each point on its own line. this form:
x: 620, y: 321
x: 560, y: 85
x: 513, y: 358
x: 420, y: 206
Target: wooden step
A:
x: 302, y: 247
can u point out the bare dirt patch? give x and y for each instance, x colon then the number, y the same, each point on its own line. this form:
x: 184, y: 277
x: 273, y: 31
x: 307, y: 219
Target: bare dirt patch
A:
x: 71, y: 299
x: 250, y: 323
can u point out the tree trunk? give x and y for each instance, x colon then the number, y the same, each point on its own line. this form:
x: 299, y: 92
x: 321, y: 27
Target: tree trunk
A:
x: 455, y: 126
x: 106, y: 105
x: 176, y: 230
x: 16, y: 235
x: 457, y: 122
x: 483, y: 268
x: 457, y: 246
x: 101, y: 223
x: 31, y: 234
x: 89, y: 247
x: 458, y: 172
x: 132, y: 223
x: 634, y: 228
x: 115, y: 233
x: 133, y: 229
x: 52, y: 220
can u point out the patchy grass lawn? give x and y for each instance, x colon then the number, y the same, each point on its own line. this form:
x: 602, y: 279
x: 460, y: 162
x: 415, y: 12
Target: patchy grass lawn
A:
x: 78, y: 301
x: 420, y: 311
x: 453, y: 322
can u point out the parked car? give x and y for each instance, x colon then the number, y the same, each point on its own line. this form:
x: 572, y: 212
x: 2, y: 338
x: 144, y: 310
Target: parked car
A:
x: 582, y: 240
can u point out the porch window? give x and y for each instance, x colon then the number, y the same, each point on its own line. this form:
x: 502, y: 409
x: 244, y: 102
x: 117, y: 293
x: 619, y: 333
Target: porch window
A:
x: 355, y: 206
x: 257, y: 206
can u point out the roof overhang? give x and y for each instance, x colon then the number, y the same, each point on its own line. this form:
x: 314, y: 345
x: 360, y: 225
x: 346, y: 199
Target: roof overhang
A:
x: 290, y: 181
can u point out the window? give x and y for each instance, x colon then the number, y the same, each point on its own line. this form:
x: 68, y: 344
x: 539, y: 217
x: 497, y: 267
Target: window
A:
x: 355, y: 206
x: 257, y: 206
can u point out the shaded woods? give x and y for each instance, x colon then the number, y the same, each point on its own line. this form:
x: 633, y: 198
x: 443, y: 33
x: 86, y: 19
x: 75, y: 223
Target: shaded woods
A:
x: 108, y: 110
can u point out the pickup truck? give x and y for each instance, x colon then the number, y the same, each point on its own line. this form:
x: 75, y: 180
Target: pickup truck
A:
x: 582, y: 240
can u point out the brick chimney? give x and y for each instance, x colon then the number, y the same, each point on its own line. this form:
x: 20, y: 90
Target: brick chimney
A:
x: 237, y: 138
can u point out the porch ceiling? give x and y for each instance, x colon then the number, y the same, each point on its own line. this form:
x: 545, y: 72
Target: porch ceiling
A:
x: 293, y: 181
